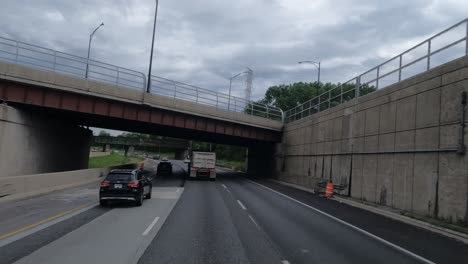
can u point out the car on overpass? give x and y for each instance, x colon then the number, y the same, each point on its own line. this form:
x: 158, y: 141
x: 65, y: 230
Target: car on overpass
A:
x: 164, y: 167
x: 125, y: 185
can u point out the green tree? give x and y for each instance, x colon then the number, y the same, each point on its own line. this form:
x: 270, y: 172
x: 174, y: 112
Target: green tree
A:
x: 289, y: 96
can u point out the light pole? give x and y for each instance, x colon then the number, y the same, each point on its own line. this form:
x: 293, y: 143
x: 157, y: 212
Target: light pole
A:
x: 317, y: 65
x: 148, y: 88
x: 230, y: 87
x: 89, y: 48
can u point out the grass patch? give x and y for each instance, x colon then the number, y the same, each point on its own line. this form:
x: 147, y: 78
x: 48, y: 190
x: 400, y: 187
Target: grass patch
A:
x: 111, y: 160
x: 240, y: 166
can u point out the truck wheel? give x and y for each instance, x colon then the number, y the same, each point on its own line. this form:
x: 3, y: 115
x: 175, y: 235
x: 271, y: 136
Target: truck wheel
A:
x: 148, y: 196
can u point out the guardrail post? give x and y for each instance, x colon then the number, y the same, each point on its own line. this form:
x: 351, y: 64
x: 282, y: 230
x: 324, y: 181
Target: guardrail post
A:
x: 358, y: 86
x: 55, y: 60
x: 399, y: 68
x: 17, y: 52
x: 318, y: 105
x: 196, y: 90
x: 266, y: 111
x: 341, y: 94
x: 466, y: 40
x: 217, y: 100
x: 429, y: 54
x: 175, y: 89
x: 118, y: 76
x: 377, y: 79
x: 144, y: 82
x: 251, y: 107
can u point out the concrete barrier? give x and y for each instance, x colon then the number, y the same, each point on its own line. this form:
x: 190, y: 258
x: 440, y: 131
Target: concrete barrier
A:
x: 20, y: 187
x: 99, y: 153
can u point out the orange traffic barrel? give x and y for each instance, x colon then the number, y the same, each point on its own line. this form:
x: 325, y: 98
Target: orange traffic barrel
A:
x: 329, y: 190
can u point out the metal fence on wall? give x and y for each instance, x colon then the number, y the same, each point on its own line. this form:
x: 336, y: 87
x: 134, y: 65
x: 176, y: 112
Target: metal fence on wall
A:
x: 441, y: 48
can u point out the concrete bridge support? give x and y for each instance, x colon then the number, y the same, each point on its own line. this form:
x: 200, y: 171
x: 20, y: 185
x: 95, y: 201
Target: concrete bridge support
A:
x: 129, y: 150
x: 181, y: 154
x: 105, y: 147
x: 260, y: 160
x: 30, y: 143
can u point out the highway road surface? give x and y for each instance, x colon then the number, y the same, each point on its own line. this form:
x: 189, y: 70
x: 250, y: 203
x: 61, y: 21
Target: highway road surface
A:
x: 231, y: 220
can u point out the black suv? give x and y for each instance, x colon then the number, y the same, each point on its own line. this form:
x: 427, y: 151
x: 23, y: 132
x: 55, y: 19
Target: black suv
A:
x: 164, y: 167
x: 127, y: 185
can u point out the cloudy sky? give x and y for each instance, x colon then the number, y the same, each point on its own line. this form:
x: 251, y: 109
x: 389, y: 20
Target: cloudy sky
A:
x: 204, y: 42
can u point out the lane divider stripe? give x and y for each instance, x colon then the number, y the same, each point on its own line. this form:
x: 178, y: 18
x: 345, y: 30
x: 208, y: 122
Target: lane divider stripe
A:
x: 241, y: 205
x: 148, y: 229
x: 390, y: 244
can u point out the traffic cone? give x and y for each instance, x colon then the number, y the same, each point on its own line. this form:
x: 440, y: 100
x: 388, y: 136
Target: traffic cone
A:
x: 329, y: 190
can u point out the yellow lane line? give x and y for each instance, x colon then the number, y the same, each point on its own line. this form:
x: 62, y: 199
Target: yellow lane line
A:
x: 44, y: 221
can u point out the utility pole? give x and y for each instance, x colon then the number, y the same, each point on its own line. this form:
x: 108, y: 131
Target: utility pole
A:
x: 89, y: 48
x: 148, y: 88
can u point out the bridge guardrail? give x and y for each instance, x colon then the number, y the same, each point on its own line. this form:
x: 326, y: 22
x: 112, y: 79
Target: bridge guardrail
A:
x: 64, y: 63
x: 191, y: 93
x: 415, y: 60
x: 60, y: 62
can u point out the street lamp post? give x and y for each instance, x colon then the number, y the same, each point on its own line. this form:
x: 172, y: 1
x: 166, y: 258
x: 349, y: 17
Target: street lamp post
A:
x: 148, y: 88
x: 89, y: 48
x: 230, y: 87
x: 317, y: 65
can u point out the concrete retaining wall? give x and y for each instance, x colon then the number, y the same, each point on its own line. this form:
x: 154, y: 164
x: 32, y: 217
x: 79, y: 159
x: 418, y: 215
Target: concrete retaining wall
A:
x: 395, y: 147
x: 19, y: 187
x: 31, y: 144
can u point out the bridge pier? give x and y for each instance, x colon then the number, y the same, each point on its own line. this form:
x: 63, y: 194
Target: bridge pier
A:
x: 129, y: 150
x: 181, y: 154
x: 105, y: 147
x: 31, y: 143
x: 260, y: 160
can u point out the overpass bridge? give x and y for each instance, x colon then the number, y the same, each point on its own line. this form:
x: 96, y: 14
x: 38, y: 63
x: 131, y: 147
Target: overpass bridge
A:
x: 59, y: 88
x: 115, y: 97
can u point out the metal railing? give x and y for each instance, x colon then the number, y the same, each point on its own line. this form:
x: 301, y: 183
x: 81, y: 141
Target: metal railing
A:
x: 418, y: 59
x: 64, y: 63
x: 47, y: 59
x: 191, y: 93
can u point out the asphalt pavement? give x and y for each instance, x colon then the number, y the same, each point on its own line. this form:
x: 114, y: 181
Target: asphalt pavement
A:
x: 230, y: 220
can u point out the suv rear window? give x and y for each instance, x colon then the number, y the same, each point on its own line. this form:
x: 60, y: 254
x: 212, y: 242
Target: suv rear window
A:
x: 119, y: 177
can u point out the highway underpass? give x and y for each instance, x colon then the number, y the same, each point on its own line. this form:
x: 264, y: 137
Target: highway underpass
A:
x: 233, y: 220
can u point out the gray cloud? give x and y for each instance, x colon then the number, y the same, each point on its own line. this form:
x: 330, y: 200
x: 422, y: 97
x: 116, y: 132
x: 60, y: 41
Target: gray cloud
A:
x: 206, y: 42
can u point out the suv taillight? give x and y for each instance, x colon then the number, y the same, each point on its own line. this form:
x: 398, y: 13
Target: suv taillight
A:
x: 193, y: 168
x: 133, y: 185
x: 105, y: 184
x: 212, y: 170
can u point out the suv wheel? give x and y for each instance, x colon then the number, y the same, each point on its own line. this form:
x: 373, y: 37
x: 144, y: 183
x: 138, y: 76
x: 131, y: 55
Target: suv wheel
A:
x: 139, y: 202
x: 148, y: 196
x: 102, y: 203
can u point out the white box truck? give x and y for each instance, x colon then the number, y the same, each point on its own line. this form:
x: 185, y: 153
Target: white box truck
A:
x: 203, y: 165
